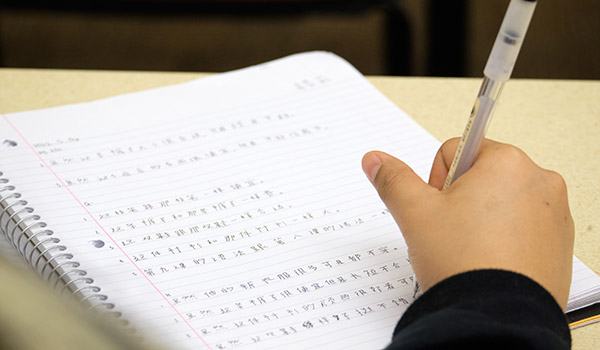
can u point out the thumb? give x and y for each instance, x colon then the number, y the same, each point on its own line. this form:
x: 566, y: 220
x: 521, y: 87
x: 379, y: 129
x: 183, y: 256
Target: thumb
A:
x: 400, y: 188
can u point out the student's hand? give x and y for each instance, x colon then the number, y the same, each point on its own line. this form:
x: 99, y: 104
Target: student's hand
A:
x: 504, y: 213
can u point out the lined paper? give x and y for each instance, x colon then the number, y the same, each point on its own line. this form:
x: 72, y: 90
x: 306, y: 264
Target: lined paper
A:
x: 230, y: 212
x: 585, y: 286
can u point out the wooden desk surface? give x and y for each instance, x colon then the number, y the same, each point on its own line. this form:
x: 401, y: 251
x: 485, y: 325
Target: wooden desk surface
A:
x: 557, y: 122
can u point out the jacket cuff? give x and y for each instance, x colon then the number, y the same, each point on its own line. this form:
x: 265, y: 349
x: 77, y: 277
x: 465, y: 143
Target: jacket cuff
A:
x: 499, y: 301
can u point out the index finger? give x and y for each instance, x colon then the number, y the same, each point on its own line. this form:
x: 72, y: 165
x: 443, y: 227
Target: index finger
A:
x: 445, y: 156
x: 442, y: 162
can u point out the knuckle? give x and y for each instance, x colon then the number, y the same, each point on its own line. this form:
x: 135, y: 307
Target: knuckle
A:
x: 557, y: 182
x: 514, y: 160
x: 512, y: 153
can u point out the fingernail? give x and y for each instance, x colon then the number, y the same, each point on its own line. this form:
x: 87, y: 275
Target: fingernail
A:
x: 371, y: 165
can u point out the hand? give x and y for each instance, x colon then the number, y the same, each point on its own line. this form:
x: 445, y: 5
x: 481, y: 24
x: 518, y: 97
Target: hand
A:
x: 504, y: 213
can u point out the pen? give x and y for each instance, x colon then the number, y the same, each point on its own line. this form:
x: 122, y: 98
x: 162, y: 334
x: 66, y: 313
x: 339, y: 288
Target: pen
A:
x: 497, y: 72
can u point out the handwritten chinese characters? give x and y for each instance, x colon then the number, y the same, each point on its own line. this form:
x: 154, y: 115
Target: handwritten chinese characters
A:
x: 233, y: 221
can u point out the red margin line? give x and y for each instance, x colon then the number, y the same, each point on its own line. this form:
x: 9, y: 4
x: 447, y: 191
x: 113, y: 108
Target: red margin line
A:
x: 104, y: 230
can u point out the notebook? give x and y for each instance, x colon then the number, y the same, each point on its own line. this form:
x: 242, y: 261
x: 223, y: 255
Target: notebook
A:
x: 227, y: 212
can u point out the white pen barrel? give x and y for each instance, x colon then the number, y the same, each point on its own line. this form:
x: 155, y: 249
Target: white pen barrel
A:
x: 475, y: 130
x: 483, y: 108
x: 508, y: 42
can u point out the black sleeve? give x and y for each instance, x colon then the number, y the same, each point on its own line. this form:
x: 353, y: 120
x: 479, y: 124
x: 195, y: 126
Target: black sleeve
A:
x: 484, y: 309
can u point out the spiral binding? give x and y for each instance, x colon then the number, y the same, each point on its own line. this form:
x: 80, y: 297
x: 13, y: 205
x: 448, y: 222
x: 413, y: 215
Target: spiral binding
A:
x: 56, y: 267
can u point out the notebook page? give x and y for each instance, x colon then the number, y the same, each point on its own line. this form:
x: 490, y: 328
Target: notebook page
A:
x: 585, y: 287
x: 231, y: 212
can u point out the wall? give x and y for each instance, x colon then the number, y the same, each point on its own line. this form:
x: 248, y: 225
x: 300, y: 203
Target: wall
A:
x: 563, y: 41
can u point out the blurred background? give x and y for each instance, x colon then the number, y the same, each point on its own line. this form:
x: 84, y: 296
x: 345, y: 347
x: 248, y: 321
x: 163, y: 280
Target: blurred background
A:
x: 391, y: 37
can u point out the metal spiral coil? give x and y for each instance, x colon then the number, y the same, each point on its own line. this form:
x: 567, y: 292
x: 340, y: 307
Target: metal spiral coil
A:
x: 30, y: 237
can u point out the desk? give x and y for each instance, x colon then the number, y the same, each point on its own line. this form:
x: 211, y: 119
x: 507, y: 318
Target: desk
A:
x: 556, y: 122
